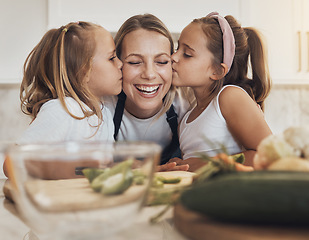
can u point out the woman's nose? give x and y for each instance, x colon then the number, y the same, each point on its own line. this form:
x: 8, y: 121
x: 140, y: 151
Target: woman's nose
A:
x: 149, y: 72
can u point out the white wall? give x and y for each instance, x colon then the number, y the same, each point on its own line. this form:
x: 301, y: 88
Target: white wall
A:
x: 23, y: 22
x: 22, y: 25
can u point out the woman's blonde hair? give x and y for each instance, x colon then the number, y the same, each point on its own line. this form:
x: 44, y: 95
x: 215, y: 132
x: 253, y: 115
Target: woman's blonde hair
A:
x: 56, y: 69
x: 249, y: 47
x: 148, y: 22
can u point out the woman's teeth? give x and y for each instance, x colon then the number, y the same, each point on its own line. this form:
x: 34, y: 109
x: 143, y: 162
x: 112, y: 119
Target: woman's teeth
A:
x: 147, y: 89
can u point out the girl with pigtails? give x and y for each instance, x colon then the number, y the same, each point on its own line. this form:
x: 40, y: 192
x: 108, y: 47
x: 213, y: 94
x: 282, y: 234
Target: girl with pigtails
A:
x: 213, y: 58
x: 65, y: 79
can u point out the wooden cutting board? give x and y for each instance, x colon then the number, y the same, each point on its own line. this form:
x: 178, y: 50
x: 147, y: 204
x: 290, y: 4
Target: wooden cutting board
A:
x: 76, y: 194
x: 198, y: 227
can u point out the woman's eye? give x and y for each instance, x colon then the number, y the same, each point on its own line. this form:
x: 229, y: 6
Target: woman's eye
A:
x: 134, y: 63
x: 163, y: 62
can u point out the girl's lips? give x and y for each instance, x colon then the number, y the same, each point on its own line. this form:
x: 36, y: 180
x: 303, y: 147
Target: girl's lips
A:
x: 148, y: 90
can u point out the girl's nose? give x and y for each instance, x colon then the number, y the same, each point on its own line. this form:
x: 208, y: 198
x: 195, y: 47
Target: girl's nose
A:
x: 174, y: 57
x: 119, y: 63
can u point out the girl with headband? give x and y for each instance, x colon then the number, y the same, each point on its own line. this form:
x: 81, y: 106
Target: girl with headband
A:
x: 213, y: 60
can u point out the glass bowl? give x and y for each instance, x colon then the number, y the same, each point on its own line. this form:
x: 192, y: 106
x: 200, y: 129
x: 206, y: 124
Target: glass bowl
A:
x: 75, y: 190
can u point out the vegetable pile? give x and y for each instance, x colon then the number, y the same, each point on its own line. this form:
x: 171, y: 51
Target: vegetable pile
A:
x: 119, y: 178
x: 286, y: 152
x: 276, y: 193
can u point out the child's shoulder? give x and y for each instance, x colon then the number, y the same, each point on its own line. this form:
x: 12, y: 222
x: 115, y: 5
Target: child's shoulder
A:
x: 55, y: 105
x: 232, y: 96
x: 231, y: 92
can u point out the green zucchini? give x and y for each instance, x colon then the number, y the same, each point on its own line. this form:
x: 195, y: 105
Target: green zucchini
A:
x: 92, y: 173
x: 122, y: 167
x: 118, y: 183
x: 252, y: 197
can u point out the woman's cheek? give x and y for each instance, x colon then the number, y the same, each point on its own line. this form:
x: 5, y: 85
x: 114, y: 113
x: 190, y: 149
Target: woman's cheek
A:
x: 129, y: 74
x: 166, y: 73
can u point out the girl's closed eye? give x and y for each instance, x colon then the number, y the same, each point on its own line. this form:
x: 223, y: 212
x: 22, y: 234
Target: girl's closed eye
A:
x: 112, y: 58
x: 186, y: 55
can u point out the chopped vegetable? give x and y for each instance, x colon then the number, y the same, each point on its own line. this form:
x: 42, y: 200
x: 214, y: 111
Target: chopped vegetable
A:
x: 92, y: 173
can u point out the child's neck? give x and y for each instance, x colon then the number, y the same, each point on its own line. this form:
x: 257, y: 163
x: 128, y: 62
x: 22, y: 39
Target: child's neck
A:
x: 202, y: 102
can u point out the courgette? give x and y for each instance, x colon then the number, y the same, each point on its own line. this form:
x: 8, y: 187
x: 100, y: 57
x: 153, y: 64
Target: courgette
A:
x: 92, y: 173
x: 122, y: 167
x: 118, y: 183
x: 252, y: 197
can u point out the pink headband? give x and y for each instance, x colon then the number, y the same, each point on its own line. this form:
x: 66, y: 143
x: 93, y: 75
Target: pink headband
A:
x: 228, y: 39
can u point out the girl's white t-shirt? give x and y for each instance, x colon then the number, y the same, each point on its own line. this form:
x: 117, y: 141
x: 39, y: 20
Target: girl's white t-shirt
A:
x: 152, y: 129
x: 207, y: 133
x: 54, y: 124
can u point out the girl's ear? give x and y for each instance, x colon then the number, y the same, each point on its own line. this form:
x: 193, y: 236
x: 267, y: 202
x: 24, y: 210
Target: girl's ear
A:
x: 87, y: 76
x: 220, y: 72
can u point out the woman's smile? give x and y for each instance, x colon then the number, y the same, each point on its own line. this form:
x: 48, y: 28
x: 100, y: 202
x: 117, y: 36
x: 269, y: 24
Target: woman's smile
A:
x: 148, y: 90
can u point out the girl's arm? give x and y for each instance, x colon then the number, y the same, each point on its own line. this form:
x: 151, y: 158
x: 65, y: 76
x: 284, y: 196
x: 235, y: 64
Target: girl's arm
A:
x: 244, y: 119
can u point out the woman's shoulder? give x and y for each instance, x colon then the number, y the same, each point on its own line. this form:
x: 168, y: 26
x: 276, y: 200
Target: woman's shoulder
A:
x: 181, y: 104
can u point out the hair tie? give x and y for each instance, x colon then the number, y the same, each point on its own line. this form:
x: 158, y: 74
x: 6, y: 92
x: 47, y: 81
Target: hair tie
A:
x: 64, y: 30
x: 228, y: 39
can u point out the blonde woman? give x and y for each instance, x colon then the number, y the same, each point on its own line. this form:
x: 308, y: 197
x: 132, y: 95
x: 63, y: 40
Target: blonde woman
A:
x: 149, y: 108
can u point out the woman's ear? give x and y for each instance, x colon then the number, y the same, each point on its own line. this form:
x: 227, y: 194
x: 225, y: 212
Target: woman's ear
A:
x: 220, y: 72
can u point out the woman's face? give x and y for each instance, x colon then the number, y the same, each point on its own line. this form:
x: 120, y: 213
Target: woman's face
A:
x: 147, y: 71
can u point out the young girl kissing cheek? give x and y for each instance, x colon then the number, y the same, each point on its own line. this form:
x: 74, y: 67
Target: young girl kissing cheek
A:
x: 104, y: 77
x: 147, y: 71
x: 192, y: 63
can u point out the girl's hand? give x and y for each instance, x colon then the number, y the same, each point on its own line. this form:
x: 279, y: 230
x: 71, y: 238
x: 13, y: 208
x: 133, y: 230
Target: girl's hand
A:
x: 229, y: 160
x: 174, y: 164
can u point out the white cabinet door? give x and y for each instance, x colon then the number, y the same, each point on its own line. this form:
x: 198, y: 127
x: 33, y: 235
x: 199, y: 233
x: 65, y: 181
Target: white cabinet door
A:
x: 176, y: 14
x: 301, y: 12
x: 276, y: 21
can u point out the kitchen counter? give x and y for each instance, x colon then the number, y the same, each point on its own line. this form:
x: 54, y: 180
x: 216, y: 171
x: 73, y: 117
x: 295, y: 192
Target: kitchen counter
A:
x: 12, y: 228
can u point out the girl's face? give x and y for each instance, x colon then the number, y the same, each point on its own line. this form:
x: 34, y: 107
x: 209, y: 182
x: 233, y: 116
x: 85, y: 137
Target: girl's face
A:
x: 105, y: 77
x: 192, y: 63
x: 147, y: 71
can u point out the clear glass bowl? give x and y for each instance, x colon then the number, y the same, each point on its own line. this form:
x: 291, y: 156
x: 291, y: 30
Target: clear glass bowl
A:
x: 58, y: 202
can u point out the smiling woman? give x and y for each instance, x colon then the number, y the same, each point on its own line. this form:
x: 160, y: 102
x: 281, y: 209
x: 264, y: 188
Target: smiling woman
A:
x: 149, y: 108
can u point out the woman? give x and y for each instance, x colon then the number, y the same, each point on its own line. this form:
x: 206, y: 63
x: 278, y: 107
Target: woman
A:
x: 149, y: 108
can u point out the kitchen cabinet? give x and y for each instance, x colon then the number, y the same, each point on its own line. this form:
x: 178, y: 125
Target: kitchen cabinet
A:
x: 176, y: 14
x: 301, y: 15
x: 285, y: 25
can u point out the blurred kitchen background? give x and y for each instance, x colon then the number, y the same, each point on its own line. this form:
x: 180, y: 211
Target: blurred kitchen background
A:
x: 284, y: 23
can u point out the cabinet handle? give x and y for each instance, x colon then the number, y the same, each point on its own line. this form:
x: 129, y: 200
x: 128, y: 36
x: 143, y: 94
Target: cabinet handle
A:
x: 299, y: 50
x: 308, y: 51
